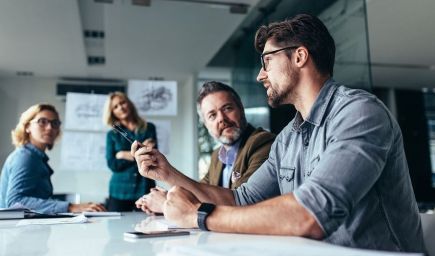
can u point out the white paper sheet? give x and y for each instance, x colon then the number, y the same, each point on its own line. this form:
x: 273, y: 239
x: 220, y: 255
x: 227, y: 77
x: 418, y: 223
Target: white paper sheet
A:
x: 154, y: 97
x: 83, y: 151
x: 93, y: 214
x: 163, y: 128
x: 84, y: 112
x: 54, y: 221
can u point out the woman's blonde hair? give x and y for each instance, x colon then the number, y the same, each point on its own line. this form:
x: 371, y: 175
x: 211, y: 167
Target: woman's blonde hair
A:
x: 19, y: 134
x: 110, y: 119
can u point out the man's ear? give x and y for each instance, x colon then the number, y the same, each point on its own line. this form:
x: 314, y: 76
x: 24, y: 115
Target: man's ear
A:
x: 301, y: 56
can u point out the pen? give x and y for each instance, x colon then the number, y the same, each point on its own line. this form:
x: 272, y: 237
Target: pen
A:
x: 117, y: 128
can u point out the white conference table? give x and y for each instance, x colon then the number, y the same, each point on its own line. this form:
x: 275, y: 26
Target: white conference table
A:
x: 104, y: 236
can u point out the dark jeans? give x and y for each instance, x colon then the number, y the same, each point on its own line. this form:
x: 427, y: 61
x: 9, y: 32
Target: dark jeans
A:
x: 116, y: 205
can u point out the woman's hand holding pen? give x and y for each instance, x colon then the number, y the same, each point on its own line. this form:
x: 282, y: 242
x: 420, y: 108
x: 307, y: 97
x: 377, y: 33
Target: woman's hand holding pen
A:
x: 151, y: 163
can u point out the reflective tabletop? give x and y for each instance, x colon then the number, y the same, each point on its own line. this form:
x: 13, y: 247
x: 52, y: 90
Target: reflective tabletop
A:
x: 105, y: 236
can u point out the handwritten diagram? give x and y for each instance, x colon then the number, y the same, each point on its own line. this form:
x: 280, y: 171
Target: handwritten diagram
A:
x: 154, y: 97
x: 84, y: 112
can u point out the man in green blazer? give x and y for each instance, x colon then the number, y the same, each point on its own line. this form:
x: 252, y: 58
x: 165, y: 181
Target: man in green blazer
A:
x: 243, y: 148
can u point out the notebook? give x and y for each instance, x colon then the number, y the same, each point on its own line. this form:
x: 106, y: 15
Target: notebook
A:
x: 25, y: 213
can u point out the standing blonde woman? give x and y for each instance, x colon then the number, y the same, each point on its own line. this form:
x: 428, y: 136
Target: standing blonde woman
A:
x: 25, y: 178
x: 126, y: 184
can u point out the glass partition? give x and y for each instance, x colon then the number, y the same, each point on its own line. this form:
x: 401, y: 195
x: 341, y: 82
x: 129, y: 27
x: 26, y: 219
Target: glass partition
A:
x: 429, y: 100
x: 345, y: 19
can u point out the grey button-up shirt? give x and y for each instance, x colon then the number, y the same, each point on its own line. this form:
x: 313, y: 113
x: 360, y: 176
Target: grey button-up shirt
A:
x: 346, y: 165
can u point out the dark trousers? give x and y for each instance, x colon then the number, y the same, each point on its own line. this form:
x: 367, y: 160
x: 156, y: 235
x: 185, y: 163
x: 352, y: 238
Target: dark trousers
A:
x: 116, y: 205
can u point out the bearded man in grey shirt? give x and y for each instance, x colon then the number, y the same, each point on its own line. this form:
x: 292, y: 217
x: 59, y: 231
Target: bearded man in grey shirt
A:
x: 337, y: 172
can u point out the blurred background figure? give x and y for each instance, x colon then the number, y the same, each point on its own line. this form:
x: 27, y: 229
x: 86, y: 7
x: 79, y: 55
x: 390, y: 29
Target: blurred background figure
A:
x: 25, y: 178
x: 126, y: 184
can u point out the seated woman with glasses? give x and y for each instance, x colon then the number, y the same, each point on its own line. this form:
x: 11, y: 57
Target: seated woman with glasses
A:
x: 25, y: 177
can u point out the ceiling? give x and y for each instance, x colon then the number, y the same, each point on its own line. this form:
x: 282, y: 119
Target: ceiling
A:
x: 175, y: 39
x: 166, y: 40
x: 402, y: 42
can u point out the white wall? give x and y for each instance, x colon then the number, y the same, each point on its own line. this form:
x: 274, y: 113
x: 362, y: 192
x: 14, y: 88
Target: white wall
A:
x: 17, y: 94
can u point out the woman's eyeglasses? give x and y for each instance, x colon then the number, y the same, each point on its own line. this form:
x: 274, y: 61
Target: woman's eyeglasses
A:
x: 43, y: 122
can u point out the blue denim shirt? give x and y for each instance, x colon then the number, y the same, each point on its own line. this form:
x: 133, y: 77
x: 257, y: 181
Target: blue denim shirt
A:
x: 25, y: 179
x: 346, y: 165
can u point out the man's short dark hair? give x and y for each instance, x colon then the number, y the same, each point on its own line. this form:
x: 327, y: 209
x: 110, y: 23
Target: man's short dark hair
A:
x: 301, y: 30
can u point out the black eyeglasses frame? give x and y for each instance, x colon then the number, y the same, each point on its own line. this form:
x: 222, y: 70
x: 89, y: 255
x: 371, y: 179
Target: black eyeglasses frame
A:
x: 263, y: 65
x: 43, y: 122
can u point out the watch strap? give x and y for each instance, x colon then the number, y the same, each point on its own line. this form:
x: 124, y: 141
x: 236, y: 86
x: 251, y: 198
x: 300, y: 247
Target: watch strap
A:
x: 204, y: 211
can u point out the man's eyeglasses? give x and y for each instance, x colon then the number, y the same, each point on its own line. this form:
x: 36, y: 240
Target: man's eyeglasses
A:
x: 43, y: 122
x: 264, y: 63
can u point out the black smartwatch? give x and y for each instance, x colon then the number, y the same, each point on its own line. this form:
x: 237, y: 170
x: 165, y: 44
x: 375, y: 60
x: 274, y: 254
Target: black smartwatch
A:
x: 203, y: 211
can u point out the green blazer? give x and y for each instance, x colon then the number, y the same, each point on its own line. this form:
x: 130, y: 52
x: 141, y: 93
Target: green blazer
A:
x: 253, y: 151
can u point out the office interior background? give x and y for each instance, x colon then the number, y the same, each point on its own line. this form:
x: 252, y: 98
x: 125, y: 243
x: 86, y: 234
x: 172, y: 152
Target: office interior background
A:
x: 49, y: 47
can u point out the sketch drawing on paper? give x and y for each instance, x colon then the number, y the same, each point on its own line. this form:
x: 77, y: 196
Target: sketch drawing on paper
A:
x: 84, y: 112
x: 87, y: 110
x: 154, y: 98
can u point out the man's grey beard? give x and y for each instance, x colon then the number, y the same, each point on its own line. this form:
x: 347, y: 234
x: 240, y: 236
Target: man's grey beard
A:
x: 229, y: 140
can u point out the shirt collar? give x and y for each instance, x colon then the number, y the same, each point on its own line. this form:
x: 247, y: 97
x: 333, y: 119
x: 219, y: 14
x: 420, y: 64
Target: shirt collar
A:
x: 32, y: 148
x: 228, y: 156
x: 319, y: 107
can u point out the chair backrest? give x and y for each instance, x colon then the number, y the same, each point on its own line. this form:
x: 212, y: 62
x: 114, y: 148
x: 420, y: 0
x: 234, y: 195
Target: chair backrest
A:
x: 428, y: 225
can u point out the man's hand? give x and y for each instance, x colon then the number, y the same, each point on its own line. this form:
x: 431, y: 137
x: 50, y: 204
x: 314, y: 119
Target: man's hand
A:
x: 149, y: 143
x: 151, y: 163
x: 181, y: 207
x: 153, y: 202
x: 86, y: 207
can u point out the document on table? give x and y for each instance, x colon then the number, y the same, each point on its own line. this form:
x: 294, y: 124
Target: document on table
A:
x: 78, y: 219
x: 101, y: 214
x: 92, y: 214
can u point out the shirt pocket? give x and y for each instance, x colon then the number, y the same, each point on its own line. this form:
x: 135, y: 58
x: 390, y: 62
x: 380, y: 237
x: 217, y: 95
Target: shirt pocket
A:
x: 313, y: 164
x: 286, y: 179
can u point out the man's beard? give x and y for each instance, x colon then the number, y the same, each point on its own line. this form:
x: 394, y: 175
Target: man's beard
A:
x: 232, y: 138
x: 276, y: 99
